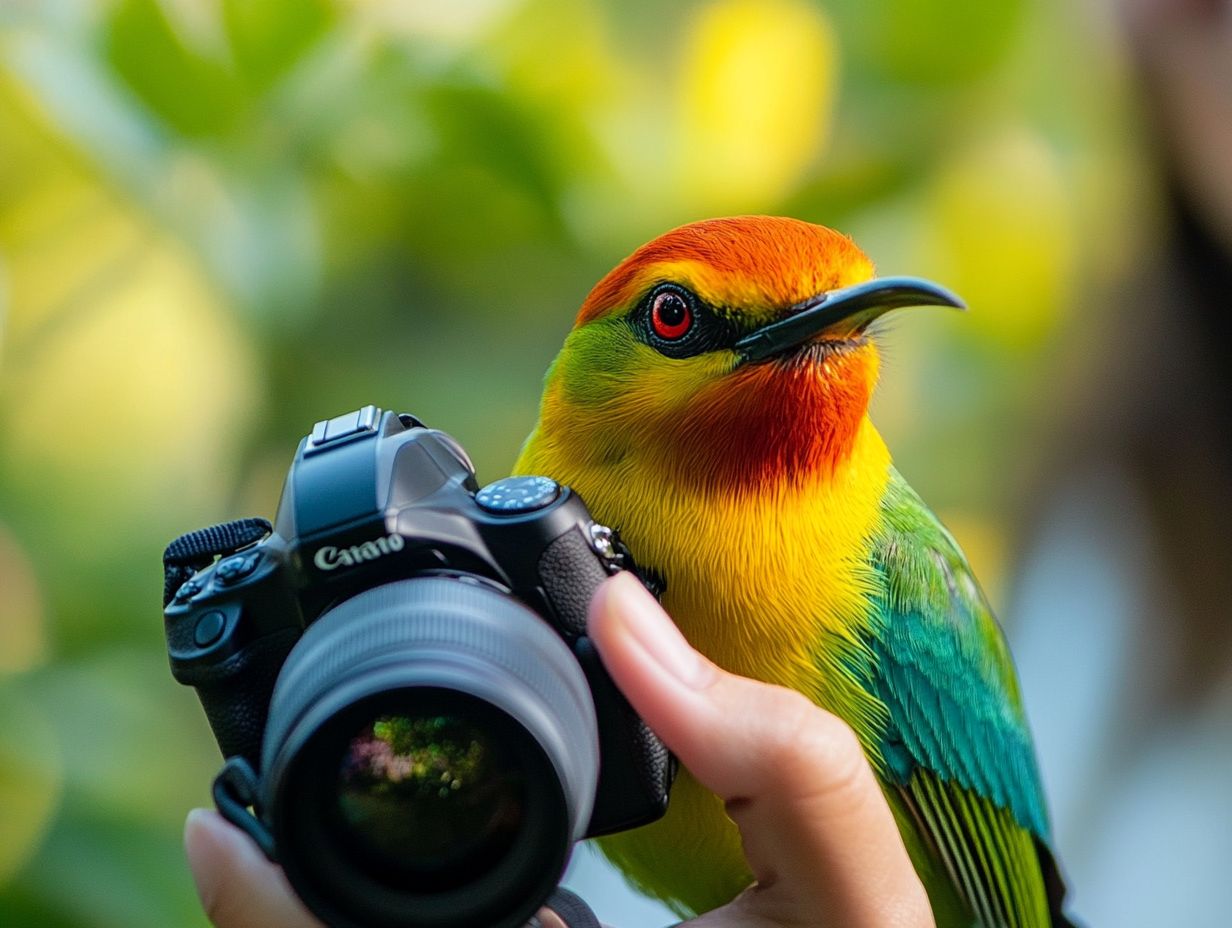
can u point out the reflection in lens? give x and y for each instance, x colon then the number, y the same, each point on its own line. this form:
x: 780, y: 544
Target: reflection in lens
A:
x: 430, y: 796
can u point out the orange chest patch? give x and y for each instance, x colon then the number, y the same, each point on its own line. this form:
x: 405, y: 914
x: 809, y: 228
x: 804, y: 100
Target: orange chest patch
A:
x: 775, y: 421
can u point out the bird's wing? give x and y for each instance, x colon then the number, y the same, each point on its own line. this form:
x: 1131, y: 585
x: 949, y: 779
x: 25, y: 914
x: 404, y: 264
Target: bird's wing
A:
x: 956, y: 743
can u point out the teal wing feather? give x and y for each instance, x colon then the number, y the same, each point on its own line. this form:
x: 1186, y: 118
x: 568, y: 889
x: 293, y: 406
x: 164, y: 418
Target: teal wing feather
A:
x: 956, y: 743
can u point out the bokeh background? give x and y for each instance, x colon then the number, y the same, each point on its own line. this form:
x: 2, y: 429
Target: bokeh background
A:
x: 222, y: 220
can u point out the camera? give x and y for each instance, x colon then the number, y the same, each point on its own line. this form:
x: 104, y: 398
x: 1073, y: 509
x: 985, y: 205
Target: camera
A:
x: 413, y: 720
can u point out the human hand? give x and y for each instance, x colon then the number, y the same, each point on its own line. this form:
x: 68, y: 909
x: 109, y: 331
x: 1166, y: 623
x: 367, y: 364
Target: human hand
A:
x: 240, y: 888
x: 818, y: 835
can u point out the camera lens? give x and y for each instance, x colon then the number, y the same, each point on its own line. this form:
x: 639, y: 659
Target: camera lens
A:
x: 432, y: 797
x: 430, y: 757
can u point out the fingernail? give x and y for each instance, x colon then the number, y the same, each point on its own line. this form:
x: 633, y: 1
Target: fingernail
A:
x: 646, y: 622
x: 546, y: 918
x: 197, y: 822
x: 197, y: 818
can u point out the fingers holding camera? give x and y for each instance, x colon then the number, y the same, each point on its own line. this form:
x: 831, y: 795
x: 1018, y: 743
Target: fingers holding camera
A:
x: 818, y: 834
x: 238, y: 886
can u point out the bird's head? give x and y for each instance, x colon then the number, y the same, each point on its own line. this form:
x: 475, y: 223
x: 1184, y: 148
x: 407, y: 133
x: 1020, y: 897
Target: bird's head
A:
x: 725, y: 353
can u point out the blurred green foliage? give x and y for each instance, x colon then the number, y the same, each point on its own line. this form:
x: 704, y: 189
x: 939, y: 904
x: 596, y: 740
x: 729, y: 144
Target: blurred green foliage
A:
x: 222, y: 220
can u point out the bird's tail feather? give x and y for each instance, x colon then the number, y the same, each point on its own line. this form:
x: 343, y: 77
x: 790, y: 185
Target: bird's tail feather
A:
x: 1054, y: 886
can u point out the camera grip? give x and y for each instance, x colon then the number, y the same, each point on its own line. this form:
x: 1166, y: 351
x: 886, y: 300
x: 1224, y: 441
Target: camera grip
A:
x: 235, y: 693
x: 636, y: 769
x: 570, y: 572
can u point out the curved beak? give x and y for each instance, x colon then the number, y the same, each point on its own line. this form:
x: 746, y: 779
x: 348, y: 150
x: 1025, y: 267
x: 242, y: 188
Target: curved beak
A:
x: 842, y: 313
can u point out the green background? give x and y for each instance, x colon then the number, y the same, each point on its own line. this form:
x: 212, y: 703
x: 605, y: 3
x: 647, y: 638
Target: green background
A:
x: 223, y: 220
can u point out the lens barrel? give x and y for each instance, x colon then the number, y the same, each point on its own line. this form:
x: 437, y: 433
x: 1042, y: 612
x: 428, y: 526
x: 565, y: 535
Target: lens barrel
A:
x: 431, y: 755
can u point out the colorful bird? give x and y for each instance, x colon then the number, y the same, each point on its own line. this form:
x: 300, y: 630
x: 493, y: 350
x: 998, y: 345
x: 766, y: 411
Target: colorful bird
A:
x: 712, y: 403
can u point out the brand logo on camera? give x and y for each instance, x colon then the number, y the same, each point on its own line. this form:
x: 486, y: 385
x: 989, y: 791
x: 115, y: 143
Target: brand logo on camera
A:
x: 331, y: 558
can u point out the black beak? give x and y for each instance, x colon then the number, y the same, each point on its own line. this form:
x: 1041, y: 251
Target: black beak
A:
x: 843, y: 313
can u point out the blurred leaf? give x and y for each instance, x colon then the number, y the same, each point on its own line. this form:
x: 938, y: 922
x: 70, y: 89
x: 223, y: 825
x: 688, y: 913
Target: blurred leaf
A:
x: 45, y: 196
x: 152, y: 759
x: 138, y: 350
x: 195, y: 95
x: 556, y: 52
x: 560, y: 59
x: 124, y: 390
x: 925, y: 42
x: 757, y: 86
x: 257, y: 229
x: 267, y: 38
x: 846, y: 186
x: 108, y: 872
x: 4, y: 304
x: 1001, y: 233
x: 482, y: 126
x: 23, y: 641
x: 52, y: 275
x: 21, y: 904
x: 30, y: 778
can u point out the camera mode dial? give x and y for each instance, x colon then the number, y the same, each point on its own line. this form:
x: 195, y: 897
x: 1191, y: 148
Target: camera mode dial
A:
x: 514, y: 495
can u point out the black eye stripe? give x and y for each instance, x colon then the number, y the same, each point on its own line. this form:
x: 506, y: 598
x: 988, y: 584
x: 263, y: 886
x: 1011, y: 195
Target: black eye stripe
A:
x: 707, y: 331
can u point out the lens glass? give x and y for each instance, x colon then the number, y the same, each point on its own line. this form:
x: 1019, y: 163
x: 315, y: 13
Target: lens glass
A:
x: 430, y: 797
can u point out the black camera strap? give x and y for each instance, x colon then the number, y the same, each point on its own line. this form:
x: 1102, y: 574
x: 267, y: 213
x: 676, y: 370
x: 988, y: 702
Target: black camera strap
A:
x: 195, y: 550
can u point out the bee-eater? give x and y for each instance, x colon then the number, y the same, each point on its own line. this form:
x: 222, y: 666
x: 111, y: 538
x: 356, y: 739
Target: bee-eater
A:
x: 711, y: 402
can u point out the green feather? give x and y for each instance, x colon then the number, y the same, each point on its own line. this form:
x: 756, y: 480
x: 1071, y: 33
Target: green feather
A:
x: 956, y: 745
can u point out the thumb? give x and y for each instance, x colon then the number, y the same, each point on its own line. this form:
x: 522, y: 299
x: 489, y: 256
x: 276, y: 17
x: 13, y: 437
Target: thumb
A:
x: 818, y: 834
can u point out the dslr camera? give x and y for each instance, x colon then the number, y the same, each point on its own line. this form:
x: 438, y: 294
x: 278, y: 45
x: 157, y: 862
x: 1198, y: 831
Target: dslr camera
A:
x: 414, y: 723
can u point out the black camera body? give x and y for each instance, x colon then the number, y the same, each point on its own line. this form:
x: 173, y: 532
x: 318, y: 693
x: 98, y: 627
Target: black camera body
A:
x: 400, y: 678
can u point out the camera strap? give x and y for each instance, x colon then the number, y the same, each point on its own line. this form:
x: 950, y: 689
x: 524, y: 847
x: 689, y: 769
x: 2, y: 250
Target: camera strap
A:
x: 573, y: 911
x: 195, y: 550
x: 651, y: 578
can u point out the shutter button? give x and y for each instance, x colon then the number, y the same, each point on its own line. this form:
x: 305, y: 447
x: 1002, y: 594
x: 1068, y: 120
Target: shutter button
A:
x: 188, y: 589
x: 235, y: 568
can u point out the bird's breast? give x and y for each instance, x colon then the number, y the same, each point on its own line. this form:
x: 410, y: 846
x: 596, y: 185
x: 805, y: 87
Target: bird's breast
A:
x: 773, y: 584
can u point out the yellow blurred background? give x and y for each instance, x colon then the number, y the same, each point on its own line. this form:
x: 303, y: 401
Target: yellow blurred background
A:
x: 223, y: 220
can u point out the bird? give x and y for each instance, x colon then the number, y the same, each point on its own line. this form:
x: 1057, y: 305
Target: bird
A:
x: 711, y: 403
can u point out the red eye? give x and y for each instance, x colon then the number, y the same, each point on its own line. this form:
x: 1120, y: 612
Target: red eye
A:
x: 670, y: 315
